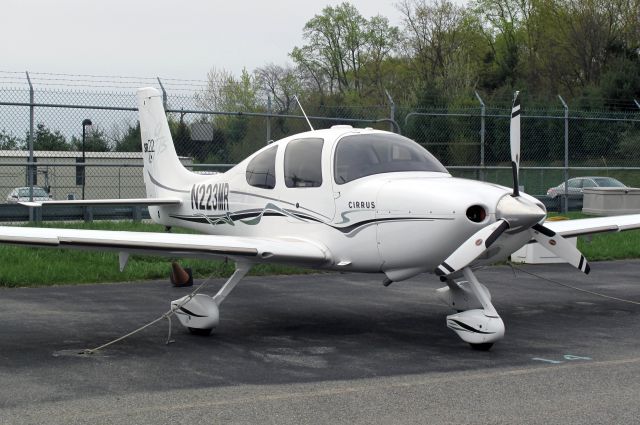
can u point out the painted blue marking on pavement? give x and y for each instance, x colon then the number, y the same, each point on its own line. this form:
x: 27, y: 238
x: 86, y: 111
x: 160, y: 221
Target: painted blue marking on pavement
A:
x: 569, y: 357
x: 572, y: 357
x: 547, y: 360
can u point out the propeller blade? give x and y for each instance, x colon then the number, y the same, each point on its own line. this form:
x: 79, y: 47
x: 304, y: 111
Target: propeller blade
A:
x: 472, y: 248
x: 560, y: 247
x: 514, y: 135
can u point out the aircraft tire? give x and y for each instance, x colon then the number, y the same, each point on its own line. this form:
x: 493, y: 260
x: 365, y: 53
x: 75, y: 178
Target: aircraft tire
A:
x: 200, y: 332
x: 482, y: 347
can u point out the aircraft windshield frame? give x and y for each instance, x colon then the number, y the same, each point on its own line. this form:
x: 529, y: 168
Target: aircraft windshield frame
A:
x: 362, y: 155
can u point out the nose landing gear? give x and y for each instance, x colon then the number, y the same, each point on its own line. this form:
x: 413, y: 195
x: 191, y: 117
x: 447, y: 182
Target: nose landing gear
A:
x: 477, y: 321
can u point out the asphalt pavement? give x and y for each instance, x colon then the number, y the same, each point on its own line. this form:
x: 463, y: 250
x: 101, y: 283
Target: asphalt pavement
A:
x: 326, y: 348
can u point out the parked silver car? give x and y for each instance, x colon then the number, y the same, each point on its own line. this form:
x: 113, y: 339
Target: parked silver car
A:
x: 577, y: 184
x: 21, y: 194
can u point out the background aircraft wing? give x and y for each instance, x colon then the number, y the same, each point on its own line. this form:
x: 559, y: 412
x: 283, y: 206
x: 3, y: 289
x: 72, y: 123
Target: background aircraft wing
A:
x: 251, y: 249
x: 588, y: 226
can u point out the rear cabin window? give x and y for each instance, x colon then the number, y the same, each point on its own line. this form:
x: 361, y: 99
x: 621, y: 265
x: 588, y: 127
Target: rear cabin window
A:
x: 261, y: 170
x: 362, y: 155
x: 302, y: 163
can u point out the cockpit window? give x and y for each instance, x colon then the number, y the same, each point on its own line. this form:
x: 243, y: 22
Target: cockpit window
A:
x: 362, y: 155
x: 302, y: 163
x: 261, y: 170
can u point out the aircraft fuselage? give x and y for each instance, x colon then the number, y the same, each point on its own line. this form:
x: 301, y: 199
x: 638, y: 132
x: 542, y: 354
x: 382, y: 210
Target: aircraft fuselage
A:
x: 399, y: 223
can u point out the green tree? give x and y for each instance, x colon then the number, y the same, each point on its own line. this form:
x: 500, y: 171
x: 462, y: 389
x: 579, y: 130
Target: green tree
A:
x: 344, y: 52
x: 181, y: 136
x: 8, y: 141
x: 445, y: 45
x: 501, y: 24
x: 47, y: 140
x: 280, y: 83
x: 95, y: 141
x: 226, y: 93
x: 130, y: 140
x: 621, y: 80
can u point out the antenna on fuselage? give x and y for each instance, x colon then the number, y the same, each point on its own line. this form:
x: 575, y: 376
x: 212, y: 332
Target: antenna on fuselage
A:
x: 303, y: 112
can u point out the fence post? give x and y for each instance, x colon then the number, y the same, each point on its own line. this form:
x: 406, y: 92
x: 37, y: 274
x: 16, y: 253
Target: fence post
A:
x: 482, y: 133
x: 565, y: 206
x: 392, y: 111
x: 269, y: 118
x: 164, y: 94
x: 30, y: 168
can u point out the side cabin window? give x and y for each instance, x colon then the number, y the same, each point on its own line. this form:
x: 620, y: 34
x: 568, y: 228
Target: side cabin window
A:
x: 302, y: 163
x: 261, y: 170
x: 363, y: 155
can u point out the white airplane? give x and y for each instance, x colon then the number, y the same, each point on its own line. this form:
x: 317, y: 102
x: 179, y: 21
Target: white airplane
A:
x: 343, y: 199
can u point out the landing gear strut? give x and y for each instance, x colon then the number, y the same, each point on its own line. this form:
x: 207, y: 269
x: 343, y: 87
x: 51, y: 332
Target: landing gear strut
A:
x: 201, y: 313
x: 477, y: 321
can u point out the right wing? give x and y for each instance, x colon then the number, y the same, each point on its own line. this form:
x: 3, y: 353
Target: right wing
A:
x: 88, y: 202
x: 251, y: 249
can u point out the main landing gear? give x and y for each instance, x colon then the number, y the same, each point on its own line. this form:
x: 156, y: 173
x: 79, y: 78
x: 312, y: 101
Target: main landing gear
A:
x: 477, y: 321
x: 201, y: 313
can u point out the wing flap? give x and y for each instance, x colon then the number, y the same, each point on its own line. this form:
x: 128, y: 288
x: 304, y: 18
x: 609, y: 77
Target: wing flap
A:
x: 254, y: 249
x: 589, y: 226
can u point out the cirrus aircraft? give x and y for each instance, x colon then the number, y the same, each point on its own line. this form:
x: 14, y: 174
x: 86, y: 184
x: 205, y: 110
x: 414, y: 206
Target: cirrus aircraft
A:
x: 343, y: 199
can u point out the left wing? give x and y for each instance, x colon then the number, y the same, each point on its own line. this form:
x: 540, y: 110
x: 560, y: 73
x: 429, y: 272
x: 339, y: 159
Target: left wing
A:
x: 251, y: 249
x: 589, y: 226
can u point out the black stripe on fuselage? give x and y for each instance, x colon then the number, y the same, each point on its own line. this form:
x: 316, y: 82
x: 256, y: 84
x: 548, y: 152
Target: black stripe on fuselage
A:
x: 157, y: 183
x: 345, y: 230
x: 233, y: 217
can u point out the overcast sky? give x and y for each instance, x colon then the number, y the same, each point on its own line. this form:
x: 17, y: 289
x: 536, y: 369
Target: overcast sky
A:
x: 171, y: 39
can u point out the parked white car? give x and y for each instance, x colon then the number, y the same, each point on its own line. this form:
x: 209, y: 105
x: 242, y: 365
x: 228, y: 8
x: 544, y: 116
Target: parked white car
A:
x: 21, y: 194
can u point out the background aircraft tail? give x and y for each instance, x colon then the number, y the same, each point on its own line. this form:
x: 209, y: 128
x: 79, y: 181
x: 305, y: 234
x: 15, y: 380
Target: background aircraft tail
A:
x: 164, y: 175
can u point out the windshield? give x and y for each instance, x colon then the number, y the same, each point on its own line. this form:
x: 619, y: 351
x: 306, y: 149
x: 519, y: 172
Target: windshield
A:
x: 362, y: 155
x: 37, y: 192
x: 607, y: 182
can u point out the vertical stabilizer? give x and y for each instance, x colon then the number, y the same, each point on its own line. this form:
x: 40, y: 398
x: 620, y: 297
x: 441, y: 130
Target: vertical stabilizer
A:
x: 164, y: 175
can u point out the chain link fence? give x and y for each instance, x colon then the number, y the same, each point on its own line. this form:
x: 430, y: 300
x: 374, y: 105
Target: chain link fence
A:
x: 556, y: 144
x: 84, y: 142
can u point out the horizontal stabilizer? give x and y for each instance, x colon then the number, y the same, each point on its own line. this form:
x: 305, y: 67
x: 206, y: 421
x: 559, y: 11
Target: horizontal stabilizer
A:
x: 89, y: 202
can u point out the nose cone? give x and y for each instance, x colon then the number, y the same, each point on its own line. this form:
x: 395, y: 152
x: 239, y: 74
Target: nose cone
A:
x: 519, y: 212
